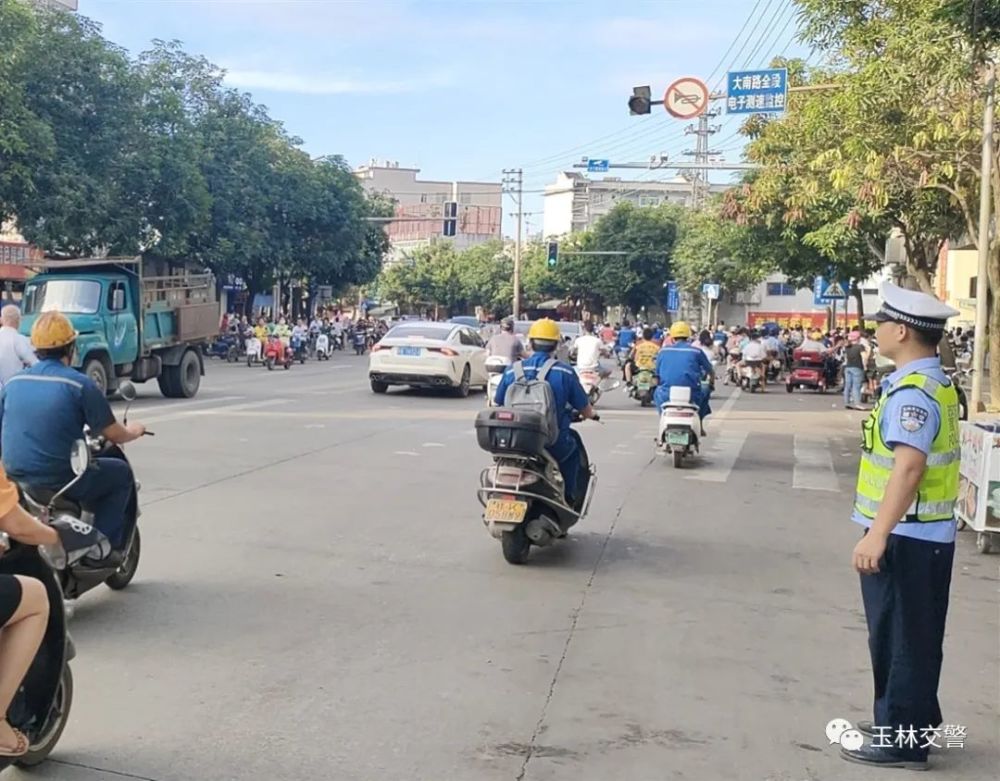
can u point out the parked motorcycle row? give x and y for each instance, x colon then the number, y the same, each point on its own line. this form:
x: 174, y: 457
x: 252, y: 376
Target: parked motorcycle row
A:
x: 83, y: 560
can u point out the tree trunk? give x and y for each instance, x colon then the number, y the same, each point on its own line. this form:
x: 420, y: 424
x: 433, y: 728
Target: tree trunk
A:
x: 860, y: 301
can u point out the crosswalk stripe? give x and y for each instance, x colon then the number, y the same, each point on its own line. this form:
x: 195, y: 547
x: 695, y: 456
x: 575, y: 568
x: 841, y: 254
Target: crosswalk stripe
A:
x: 718, y: 458
x: 813, y: 464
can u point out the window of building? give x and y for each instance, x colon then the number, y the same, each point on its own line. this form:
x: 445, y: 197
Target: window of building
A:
x: 972, y: 287
x: 780, y: 289
x: 649, y: 200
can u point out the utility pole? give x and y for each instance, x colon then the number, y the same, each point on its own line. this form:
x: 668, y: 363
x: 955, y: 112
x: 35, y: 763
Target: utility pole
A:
x: 701, y: 154
x: 513, y: 184
x: 983, y: 274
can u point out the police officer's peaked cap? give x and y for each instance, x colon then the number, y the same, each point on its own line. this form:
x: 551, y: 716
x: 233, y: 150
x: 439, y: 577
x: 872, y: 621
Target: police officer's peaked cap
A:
x: 913, y: 308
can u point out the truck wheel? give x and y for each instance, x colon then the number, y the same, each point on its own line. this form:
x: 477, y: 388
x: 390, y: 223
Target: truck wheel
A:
x: 96, y: 371
x: 181, y: 381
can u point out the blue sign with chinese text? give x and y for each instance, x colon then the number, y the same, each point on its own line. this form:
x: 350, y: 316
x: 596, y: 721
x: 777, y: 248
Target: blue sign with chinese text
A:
x: 756, y: 92
x: 598, y: 166
x: 673, y: 297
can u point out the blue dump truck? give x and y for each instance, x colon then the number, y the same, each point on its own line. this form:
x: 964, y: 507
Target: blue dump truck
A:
x: 131, y: 325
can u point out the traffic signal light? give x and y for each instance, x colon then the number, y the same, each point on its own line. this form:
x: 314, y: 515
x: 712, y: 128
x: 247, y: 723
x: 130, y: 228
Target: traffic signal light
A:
x: 450, y: 218
x: 553, y: 253
x: 639, y: 102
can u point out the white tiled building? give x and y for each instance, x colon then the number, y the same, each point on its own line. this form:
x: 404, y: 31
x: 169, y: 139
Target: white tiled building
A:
x: 479, y: 207
x: 575, y: 202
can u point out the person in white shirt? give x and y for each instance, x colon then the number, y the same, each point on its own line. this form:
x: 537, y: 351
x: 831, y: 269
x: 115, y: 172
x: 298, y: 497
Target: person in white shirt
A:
x: 754, y: 354
x: 589, y: 349
x: 16, y: 352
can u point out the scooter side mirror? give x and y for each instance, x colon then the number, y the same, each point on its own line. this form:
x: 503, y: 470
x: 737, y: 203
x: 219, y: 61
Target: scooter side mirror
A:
x: 79, y: 458
x: 127, y: 391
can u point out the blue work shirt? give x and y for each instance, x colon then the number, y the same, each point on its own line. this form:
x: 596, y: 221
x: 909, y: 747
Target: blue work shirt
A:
x: 626, y: 337
x: 683, y: 364
x: 42, y: 414
x: 566, y: 387
x: 906, y: 409
x: 657, y: 334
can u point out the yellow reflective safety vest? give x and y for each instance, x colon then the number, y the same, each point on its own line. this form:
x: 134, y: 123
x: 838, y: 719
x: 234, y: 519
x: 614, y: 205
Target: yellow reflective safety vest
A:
x: 938, y: 489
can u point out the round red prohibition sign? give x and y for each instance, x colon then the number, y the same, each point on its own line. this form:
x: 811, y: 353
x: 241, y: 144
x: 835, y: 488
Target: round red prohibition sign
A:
x: 686, y: 98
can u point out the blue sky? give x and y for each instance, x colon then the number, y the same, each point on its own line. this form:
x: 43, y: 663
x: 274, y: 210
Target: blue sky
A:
x: 464, y: 89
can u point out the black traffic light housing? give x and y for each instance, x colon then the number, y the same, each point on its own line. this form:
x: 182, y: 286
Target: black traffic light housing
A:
x: 639, y: 103
x: 553, y: 253
x: 450, y: 218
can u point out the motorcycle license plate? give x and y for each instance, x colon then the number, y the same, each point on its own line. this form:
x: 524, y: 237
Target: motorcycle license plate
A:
x: 409, y: 351
x: 677, y: 438
x: 505, y: 511
x: 643, y: 386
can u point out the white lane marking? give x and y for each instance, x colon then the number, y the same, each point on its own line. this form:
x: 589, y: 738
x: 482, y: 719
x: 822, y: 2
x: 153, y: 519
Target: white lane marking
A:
x: 813, y: 469
x: 406, y: 453
x: 726, y: 407
x: 315, y: 425
x: 720, y: 456
x: 173, y: 405
x: 222, y: 410
x: 433, y: 444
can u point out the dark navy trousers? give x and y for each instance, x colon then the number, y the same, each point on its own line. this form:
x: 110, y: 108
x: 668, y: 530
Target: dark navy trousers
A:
x: 906, y: 603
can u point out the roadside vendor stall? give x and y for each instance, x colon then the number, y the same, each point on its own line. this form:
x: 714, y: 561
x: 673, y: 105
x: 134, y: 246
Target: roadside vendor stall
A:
x: 979, y: 483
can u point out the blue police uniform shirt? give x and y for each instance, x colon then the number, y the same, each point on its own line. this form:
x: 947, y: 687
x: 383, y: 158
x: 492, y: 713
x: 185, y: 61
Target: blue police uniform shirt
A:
x: 42, y: 414
x: 566, y: 387
x: 912, y: 418
x: 682, y: 364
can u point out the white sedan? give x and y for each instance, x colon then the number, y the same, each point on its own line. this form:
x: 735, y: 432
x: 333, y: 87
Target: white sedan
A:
x: 429, y: 355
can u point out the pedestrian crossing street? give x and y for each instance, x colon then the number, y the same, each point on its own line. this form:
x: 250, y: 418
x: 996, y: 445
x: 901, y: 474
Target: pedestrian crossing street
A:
x: 815, y: 463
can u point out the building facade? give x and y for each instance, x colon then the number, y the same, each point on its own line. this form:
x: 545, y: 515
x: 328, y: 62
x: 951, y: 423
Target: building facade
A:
x: 480, y: 206
x: 575, y: 202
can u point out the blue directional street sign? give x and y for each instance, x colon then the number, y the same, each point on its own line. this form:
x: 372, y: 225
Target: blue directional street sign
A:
x: 673, y: 297
x: 711, y: 290
x: 598, y: 166
x: 756, y: 92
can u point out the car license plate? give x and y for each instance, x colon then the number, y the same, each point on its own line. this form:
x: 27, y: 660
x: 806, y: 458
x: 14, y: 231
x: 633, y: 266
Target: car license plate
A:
x: 409, y: 351
x: 677, y: 438
x: 505, y: 511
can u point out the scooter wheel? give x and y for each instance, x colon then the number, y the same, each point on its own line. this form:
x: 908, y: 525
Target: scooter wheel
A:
x: 270, y: 364
x: 50, y: 733
x: 515, y: 545
x: 123, y: 576
x: 678, y: 459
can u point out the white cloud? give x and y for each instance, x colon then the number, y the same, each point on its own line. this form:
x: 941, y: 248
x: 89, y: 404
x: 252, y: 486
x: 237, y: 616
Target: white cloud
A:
x: 328, y: 84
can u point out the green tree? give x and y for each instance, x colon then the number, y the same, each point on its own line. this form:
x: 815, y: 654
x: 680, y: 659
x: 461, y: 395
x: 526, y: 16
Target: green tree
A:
x: 646, y: 236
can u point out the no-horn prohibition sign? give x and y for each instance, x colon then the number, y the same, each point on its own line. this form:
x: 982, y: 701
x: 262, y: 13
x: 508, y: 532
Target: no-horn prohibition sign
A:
x: 686, y: 98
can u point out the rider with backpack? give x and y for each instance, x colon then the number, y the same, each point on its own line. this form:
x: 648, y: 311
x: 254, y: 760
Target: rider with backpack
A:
x: 551, y: 387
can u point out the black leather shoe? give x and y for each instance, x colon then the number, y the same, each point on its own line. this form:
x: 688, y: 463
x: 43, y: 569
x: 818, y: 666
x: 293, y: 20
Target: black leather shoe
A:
x: 112, y: 561
x: 883, y: 757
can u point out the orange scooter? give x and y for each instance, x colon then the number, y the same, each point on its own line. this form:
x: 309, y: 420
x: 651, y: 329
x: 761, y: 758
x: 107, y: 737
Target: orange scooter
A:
x: 277, y: 352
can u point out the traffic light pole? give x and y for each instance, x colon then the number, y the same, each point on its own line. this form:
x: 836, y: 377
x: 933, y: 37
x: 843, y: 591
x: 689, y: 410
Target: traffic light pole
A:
x: 514, y: 178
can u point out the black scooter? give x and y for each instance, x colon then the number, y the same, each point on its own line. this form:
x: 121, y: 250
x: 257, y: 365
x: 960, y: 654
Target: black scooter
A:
x: 79, y: 574
x: 41, y: 706
x: 523, y: 493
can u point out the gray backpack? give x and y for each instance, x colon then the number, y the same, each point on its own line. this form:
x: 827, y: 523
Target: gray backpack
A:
x: 535, y: 396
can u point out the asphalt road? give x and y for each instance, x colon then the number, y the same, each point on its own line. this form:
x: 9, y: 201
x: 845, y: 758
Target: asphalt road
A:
x: 318, y: 599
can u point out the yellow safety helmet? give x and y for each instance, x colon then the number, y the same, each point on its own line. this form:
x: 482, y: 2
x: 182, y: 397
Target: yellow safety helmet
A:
x: 545, y: 329
x: 816, y: 335
x: 51, y: 331
x: 680, y: 330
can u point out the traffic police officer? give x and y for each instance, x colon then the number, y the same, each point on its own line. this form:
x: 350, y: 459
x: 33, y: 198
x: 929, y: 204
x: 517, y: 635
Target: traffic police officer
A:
x: 906, y: 493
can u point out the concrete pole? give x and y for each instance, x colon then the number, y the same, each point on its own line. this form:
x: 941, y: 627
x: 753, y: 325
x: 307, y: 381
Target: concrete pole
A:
x: 983, y: 274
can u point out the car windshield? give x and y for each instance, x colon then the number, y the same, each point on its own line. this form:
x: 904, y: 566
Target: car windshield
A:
x: 569, y: 329
x: 464, y: 320
x: 76, y: 296
x: 418, y: 331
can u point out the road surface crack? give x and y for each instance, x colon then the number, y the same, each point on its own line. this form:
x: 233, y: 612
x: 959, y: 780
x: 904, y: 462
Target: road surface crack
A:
x: 572, y: 628
x: 107, y: 771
